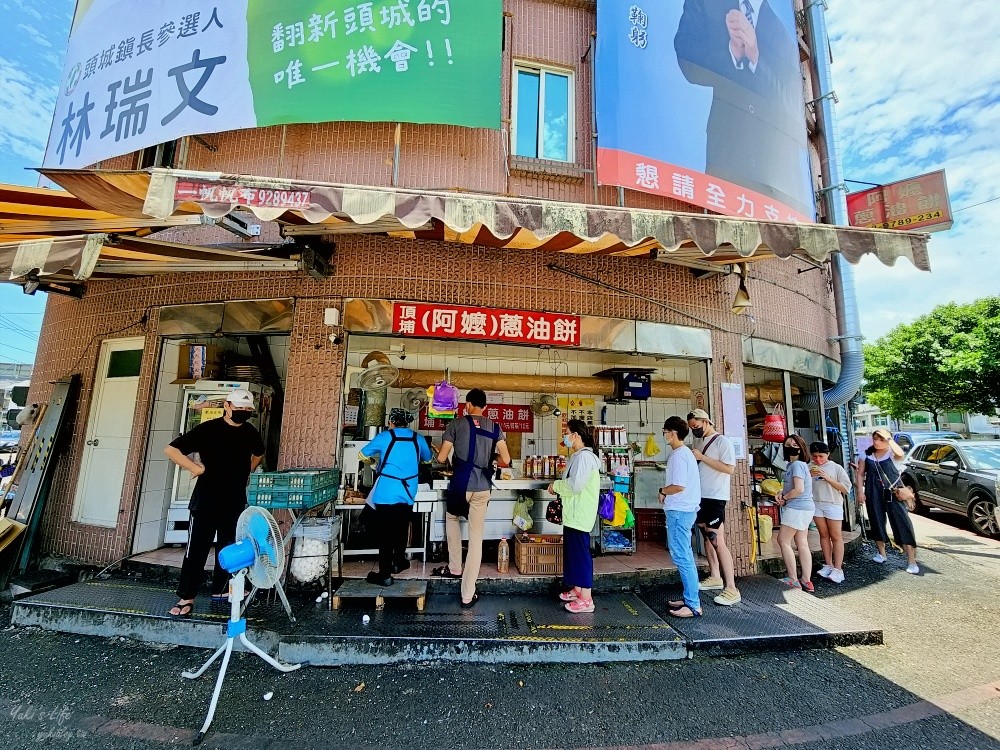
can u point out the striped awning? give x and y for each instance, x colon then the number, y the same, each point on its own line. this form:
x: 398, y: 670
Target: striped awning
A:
x: 316, y: 208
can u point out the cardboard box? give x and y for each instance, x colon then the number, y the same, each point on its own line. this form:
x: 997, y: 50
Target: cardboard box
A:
x: 198, y: 362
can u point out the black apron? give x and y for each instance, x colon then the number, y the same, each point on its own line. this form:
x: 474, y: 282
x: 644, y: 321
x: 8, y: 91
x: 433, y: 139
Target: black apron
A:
x: 455, y: 499
x: 393, y: 439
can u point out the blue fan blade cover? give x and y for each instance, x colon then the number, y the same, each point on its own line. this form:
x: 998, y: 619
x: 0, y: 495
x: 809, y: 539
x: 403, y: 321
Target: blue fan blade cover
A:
x: 260, y: 530
x: 237, y: 556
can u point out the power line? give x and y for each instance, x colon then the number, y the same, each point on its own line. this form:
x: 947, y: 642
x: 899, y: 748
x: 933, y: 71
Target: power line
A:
x: 17, y: 327
x: 17, y: 348
x: 966, y: 208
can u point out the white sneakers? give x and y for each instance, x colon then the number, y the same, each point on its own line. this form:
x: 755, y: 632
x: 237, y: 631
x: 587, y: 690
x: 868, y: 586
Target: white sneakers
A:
x: 825, y: 571
x: 914, y: 568
x: 836, y: 575
x: 879, y: 558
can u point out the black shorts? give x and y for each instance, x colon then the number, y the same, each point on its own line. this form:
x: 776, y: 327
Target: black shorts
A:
x: 712, y: 513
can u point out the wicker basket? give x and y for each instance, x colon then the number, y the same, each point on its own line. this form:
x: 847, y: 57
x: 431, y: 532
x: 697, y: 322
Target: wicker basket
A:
x: 538, y: 554
x: 650, y: 525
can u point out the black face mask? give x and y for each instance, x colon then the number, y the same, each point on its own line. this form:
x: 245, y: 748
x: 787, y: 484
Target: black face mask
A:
x: 240, y: 416
x: 792, y: 454
x: 698, y: 432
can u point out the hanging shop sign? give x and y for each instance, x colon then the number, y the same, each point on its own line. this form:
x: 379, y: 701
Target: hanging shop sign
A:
x: 510, y: 417
x: 140, y: 74
x: 485, y: 324
x: 719, y: 124
x: 918, y: 203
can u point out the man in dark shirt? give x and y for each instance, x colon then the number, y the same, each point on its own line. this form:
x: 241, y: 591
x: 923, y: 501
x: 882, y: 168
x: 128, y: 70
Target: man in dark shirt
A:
x: 228, y: 449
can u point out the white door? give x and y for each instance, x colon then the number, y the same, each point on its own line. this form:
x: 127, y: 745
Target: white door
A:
x: 109, y: 431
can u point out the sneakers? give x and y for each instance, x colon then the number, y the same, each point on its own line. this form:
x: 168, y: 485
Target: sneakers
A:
x: 914, y: 568
x: 377, y: 579
x: 879, y: 558
x: 580, y: 606
x: 836, y: 575
x: 825, y: 571
x: 728, y: 597
x: 711, y: 584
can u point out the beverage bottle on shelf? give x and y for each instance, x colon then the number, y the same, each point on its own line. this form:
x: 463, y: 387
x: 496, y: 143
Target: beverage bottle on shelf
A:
x: 503, y: 556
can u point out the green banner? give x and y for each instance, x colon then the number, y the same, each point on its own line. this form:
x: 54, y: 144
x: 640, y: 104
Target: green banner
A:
x: 424, y: 61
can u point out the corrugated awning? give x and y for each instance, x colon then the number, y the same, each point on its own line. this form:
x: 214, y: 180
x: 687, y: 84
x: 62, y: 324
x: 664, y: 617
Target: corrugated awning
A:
x: 314, y: 208
x: 55, y: 241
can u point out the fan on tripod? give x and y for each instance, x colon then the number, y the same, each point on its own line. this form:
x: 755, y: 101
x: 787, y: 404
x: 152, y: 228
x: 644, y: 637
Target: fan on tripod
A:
x: 378, y: 373
x: 414, y: 400
x: 545, y: 405
x: 257, y: 554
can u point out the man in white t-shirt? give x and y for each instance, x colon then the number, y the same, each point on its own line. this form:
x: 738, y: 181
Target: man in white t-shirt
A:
x: 716, y: 462
x: 681, y: 498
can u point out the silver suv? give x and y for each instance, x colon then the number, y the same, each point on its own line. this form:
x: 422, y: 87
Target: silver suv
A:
x: 958, y: 475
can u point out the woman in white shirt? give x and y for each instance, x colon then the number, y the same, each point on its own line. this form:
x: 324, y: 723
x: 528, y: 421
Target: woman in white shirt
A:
x: 830, y: 483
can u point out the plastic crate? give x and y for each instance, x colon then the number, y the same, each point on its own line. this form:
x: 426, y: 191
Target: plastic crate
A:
x: 538, y: 554
x: 772, y: 511
x: 650, y: 525
x: 298, y: 489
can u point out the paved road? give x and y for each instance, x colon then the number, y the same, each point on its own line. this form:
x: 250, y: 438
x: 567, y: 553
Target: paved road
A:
x: 935, y: 684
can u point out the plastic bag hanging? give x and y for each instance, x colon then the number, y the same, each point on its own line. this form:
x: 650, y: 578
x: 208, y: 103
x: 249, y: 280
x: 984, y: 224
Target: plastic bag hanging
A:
x: 444, y: 401
x: 652, y: 447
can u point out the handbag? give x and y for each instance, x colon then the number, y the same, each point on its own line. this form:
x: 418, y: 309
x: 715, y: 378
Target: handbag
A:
x: 901, y: 492
x: 775, y: 428
x: 554, y: 511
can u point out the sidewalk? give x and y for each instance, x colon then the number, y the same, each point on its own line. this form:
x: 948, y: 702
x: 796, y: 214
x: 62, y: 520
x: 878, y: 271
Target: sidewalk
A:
x: 502, y: 628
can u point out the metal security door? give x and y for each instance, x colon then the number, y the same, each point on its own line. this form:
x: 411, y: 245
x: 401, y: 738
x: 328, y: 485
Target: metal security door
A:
x: 109, y: 431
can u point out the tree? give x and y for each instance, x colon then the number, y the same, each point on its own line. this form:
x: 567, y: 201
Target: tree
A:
x: 947, y: 360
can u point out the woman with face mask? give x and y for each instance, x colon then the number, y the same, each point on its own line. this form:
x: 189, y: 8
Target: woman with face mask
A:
x: 797, y: 509
x: 579, y: 490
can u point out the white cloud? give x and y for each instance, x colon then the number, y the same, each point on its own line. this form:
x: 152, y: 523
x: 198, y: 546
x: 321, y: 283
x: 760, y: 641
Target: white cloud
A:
x: 27, y: 103
x: 35, y: 35
x: 915, y: 102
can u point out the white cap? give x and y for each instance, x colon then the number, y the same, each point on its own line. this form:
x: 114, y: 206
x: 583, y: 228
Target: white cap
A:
x: 240, y: 399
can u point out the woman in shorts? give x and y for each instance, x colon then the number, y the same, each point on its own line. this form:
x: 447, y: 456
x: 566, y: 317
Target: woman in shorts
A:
x: 797, y: 509
x: 830, y: 482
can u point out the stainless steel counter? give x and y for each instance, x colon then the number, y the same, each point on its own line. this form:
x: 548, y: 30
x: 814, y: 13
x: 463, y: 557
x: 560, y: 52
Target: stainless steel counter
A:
x: 500, y: 512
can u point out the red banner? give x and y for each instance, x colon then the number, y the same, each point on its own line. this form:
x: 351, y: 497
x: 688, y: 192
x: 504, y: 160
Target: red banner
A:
x: 918, y: 203
x: 485, y: 324
x: 510, y: 417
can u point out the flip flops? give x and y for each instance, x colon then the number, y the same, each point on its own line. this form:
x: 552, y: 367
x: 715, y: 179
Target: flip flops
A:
x: 443, y: 572
x: 183, y: 609
x: 684, y: 612
x: 471, y: 603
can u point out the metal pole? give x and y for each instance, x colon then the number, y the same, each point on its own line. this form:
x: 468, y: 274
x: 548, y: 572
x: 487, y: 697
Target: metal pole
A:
x: 786, y: 379
x: 395, y: 154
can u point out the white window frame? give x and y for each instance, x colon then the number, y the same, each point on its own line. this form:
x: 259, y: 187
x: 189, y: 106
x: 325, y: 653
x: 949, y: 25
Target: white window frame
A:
x: 532, y: 67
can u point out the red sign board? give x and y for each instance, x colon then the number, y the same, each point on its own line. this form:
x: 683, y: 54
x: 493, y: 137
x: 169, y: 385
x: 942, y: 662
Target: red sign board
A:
x: 485, y: 324
x: 510, y: 417
x: 918, y: 203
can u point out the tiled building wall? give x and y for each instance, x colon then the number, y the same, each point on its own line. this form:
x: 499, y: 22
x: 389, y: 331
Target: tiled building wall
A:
x: 385, y: 268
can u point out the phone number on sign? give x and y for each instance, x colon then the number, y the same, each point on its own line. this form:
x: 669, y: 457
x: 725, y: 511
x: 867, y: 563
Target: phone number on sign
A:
x: 916, y: 219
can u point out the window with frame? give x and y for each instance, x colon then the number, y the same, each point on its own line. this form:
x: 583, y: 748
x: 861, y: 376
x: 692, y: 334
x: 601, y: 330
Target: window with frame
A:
x: 543, y: 123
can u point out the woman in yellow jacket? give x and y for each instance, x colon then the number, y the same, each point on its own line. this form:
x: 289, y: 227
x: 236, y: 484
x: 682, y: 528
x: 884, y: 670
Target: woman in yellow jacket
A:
x: 579, y: 490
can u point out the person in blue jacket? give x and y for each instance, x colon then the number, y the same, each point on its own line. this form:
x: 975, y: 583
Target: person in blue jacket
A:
x: 397, y: 454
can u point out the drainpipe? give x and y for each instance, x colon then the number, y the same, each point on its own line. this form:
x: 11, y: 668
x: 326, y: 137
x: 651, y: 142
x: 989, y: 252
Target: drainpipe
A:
x: 835, y: 202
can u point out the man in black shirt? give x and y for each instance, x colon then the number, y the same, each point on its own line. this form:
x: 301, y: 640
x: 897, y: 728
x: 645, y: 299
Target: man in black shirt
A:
x: 228, y: 449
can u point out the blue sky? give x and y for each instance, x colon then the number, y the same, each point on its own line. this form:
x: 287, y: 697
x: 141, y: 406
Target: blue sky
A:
x: 919, y: 90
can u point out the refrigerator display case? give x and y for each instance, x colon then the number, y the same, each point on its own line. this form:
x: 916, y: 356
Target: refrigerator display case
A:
x: 203, y: 401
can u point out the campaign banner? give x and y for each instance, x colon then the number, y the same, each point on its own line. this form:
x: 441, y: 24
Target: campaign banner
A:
x: 917, y: 203
x: 140, y: 74
x: 720, y: 122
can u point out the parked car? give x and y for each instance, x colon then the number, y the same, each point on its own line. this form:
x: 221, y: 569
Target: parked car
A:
x: 907, y: 440
x: 958, y: 475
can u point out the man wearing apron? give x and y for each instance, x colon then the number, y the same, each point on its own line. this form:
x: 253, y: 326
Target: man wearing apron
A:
x: 400, y: 451
x: 475, y: 439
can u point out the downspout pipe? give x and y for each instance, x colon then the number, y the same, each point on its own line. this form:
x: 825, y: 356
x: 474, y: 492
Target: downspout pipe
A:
x: 835, y: 202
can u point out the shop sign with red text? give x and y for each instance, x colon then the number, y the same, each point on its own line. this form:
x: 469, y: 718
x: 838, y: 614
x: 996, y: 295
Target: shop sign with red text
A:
x: 485, y: 324
x: 510, y: 417
x: 918, y: 203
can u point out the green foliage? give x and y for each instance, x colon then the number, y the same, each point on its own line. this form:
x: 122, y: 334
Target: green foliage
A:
x: 948, y: 360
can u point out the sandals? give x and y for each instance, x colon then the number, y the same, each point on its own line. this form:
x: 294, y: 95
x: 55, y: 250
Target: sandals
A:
x: 684, y: 612
x: 580, y: 606
x: 792, y: 583
x: 183, y: 609
x: 568, y: 596
x: 807, y: 586
x: 444, y: 572
x: 471, y: 603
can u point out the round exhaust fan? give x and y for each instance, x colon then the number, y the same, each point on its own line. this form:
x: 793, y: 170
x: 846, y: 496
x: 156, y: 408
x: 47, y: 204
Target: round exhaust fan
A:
x: 545, y: 405
x: 415, y: 399
x: 379, y: 372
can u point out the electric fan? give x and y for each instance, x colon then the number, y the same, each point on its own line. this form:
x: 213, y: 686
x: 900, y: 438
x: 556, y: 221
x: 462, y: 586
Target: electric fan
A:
x: 545, y: 405
x: 415, y: 399
x: 379, y: 372
x: 257, y: 554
